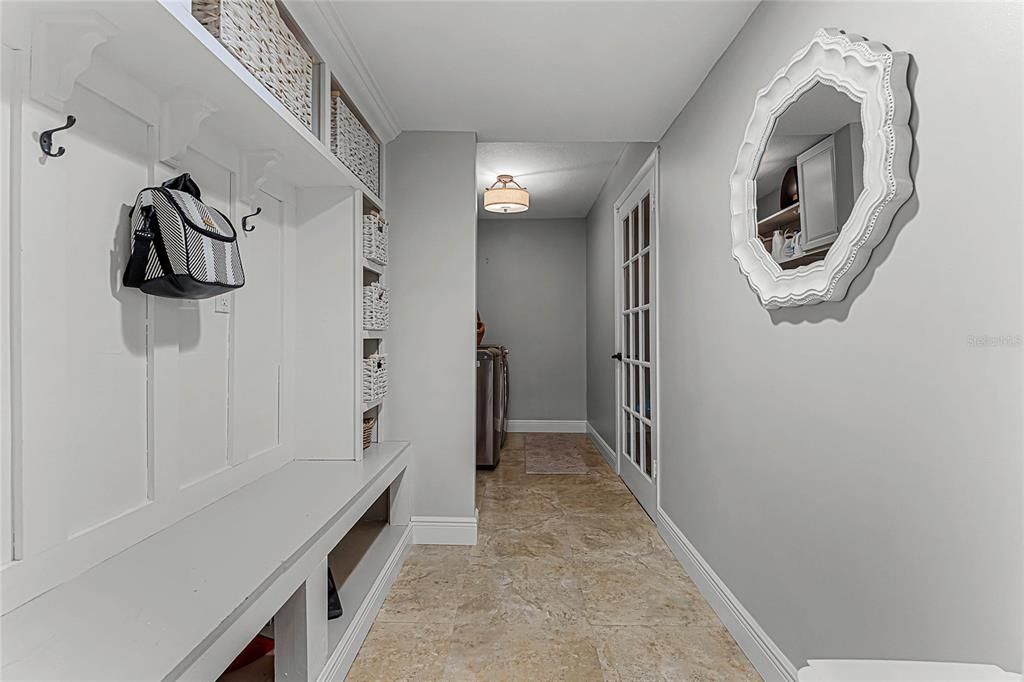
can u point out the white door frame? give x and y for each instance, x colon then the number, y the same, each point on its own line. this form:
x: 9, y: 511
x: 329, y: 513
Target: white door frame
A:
x: 650, y: 165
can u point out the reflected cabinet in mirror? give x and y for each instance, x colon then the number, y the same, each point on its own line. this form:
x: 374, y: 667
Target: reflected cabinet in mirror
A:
x: 822, y: 170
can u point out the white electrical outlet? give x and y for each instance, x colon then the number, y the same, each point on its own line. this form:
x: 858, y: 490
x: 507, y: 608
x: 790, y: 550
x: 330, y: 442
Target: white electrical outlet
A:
x: 222, y: 304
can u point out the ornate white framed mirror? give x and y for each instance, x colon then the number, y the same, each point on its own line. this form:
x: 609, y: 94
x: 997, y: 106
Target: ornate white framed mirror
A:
x: 822, y: 170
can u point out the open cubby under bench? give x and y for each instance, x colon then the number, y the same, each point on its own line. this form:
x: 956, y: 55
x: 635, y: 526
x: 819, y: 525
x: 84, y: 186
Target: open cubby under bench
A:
x: 183, y: 602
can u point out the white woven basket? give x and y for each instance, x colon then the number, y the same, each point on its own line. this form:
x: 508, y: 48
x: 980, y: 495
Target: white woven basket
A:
x: 256, y: 34
x: 375, y: 239
x: 375, y: 377
x: 353, y: 144
x: 376, y: 304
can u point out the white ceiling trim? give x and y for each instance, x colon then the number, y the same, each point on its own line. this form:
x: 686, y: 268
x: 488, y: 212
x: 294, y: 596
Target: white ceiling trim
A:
x: 320, y: 23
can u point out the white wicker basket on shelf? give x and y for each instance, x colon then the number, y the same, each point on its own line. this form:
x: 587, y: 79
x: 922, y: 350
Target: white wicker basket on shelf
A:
x: 375, y: 239
x: 353, y: 144
x: 256, y: 34
x: 381, y: 378
x: 376, y: 305
x: 375, y: 377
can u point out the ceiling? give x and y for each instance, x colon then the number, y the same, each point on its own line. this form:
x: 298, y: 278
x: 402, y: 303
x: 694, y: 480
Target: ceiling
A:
x: 563, y: 178
x: 540, y: 71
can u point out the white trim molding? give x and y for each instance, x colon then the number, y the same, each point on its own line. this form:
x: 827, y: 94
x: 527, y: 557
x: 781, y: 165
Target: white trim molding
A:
x: 547, y: 426
x: 322, y: 24
x: 443, y: 530
x: 602, y: 446
x: 764, y: 655
x: 344, y: 655
x: 874, y: 76
x: 893, y: 671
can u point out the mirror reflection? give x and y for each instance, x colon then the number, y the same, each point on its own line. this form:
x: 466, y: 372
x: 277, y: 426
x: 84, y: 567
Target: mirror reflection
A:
x: 810, y: 176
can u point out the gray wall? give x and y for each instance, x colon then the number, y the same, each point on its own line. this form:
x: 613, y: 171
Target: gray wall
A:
x: 601, y: 292
x: 532, y: 295
x: 852, y: 471
x: 431, y: 202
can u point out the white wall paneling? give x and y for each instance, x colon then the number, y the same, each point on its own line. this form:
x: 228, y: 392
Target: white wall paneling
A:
x: 202, y: 341
x: 12, y: 62
x: 128, y: 412
x: 83, y: 339
x: 257, y: 361
x: 325, y: 340
x: 123, y: 415
x: 141, y: 385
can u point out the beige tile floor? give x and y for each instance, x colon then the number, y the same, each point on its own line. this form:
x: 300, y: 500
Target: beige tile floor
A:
x: 569, y: 581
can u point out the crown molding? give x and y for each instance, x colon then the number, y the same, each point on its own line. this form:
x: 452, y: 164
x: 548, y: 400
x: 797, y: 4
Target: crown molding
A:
x: 323, y: 27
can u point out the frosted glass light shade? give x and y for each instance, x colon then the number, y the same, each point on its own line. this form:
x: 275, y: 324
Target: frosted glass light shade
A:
x: 506, y: 200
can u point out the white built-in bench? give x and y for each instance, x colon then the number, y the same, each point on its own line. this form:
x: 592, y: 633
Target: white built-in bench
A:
x: 185, y: 601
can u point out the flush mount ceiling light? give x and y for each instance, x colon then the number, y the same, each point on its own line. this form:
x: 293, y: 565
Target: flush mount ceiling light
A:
x: 506, y: 199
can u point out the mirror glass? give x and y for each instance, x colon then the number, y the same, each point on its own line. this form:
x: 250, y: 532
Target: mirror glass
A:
x: 810, y: 176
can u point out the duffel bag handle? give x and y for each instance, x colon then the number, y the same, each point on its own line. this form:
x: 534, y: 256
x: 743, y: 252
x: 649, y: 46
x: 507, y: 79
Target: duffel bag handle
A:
x: 184, y: 183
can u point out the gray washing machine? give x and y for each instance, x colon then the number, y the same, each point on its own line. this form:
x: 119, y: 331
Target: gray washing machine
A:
x: 492, y: 394
x: 488, y: 452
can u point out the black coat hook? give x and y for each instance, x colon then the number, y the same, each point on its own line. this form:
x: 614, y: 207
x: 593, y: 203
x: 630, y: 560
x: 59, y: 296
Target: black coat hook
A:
x: 245, y: 220
x: 46, y: 138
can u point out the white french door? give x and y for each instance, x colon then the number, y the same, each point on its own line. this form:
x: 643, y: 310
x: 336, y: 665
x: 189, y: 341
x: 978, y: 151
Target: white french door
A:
x: 636, y: 337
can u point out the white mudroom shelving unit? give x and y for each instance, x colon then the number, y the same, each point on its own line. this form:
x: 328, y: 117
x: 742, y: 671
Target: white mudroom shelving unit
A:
x: 242, y: 534
x: 371, y: 337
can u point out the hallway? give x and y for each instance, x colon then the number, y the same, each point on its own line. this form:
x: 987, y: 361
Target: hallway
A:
x: 569, y: 581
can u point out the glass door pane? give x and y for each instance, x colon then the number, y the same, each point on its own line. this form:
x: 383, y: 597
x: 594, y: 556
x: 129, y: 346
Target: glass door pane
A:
x: 635, y: 219
x: 625, y: 241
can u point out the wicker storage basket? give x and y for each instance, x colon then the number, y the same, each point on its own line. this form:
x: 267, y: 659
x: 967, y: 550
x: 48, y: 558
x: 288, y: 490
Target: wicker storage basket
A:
x: 353, y: 144
x: 375, y: 239
x: 376, y: 307
x: 255, y: 32
x: 368, y: 425
x: 375, y: 377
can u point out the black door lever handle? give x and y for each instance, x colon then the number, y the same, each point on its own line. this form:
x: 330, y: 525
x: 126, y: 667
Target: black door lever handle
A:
x: 617, y: 356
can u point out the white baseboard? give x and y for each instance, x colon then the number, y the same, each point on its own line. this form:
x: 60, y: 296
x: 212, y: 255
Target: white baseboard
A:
x: 444, y: 530
x: 603, y: 447
x: 857, y: 670
x: 766, y: 657
x: 546, y: 426
x: 344, y: 655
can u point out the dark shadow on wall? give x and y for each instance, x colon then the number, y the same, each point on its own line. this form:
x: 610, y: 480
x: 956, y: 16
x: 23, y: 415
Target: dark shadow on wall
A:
x: 840, y: 310
x: 131, y: 301
x: 185, y: 333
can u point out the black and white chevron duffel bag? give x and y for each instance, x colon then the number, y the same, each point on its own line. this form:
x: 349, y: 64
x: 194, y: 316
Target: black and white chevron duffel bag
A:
x: 181, y: 248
